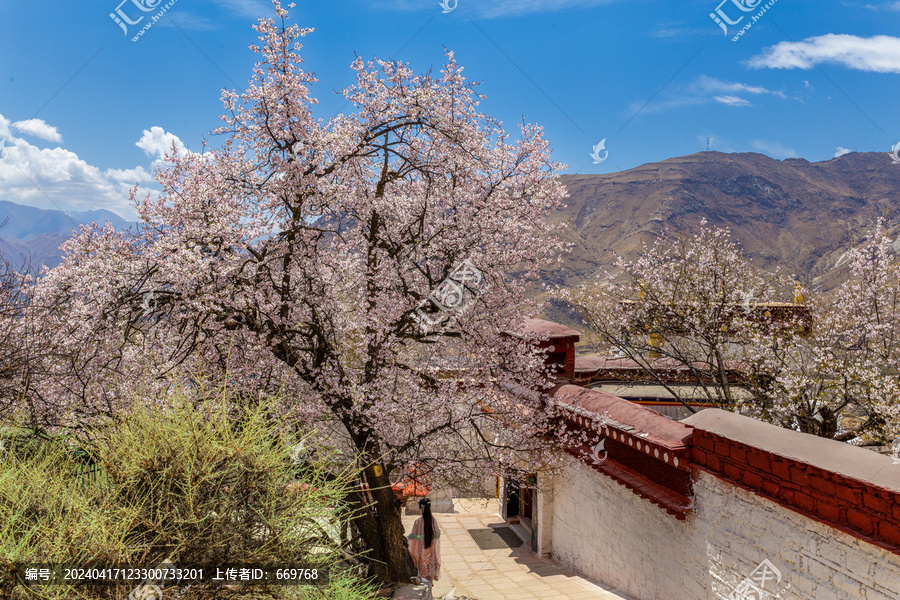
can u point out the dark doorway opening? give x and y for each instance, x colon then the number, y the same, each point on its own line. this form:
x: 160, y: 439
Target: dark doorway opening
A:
x: 512, y: 500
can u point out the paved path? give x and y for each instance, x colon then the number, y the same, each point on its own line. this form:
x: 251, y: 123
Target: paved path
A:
x: 475, y: 574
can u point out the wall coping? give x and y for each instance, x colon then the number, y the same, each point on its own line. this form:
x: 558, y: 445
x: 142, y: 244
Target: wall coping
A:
x: 825, y: 454
x: 638, y: 419
x: 646, y: 452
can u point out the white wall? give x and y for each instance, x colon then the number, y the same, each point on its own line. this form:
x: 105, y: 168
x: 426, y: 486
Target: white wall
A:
x: 610, y: 534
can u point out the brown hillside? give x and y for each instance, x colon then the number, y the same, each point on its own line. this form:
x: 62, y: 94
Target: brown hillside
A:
x: 795, y: 214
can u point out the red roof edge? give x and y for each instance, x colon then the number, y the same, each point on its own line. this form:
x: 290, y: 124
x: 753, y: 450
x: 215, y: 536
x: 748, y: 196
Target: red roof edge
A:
x: 658, y: 428
x: 556, y: 331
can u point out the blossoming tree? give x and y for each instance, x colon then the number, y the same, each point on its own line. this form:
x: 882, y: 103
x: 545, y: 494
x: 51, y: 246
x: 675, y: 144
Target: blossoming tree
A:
x: 694, y: 310
x: 682, y: 312
x: 865, y: 332
x: 297, y: 257
x: 849, y: 363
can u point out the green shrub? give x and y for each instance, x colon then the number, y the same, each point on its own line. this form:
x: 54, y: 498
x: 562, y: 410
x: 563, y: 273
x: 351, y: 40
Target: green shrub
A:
x: 177, y: 484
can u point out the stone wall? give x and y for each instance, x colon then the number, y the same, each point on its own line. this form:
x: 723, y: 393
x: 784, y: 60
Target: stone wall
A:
x: 769, y: 509
x: 603, y: 530
x: 855, y: 490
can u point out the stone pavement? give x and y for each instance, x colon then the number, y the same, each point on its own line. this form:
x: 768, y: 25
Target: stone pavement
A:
x: 515, y: 574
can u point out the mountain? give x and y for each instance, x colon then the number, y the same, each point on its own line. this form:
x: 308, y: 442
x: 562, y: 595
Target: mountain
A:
x: 802, y: 216
x: 42, y: 250
x: 791, y: 213
x: 26, y: 222
x: 34, y: 235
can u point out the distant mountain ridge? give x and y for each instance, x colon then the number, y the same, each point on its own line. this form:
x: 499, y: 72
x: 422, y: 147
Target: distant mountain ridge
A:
x: 34, y: 235
x: 27, y: 222
x: 802, y: 216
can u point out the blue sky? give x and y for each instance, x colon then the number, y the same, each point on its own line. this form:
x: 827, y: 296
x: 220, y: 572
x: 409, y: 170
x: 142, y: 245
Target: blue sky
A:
x: 85, y: 111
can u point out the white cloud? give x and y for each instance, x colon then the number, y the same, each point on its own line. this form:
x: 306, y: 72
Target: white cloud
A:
x: 676, y: 31
x: 732, y: 101
x: 491, y: 9
x: 705, y: 89
x: 247, y: 10
x: 157, y: 141
x: 880, y: 53
x: 56, y: 178
x: 38, y: 128
x: 4, y: 128
x: 891, y: 6
x: 840, y: 151
x: 773, y: 149
x: 704, y: 83
x: 136, y: 175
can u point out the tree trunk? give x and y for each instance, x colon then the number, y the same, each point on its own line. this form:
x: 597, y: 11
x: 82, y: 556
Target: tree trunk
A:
x: 381, y: 528
x: 829, y: 425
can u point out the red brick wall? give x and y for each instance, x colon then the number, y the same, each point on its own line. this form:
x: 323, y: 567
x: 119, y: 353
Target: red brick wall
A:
x: 642, y: 446
x: 856, y: 507
x: 562, y: 358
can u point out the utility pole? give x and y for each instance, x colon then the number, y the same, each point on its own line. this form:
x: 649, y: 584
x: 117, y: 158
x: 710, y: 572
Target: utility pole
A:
x: 707, y: 143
